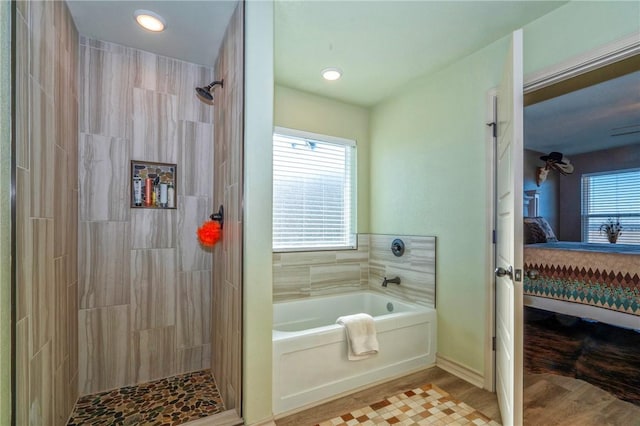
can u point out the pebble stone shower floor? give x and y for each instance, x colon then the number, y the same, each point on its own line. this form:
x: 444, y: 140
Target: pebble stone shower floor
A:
x: 170, y: 401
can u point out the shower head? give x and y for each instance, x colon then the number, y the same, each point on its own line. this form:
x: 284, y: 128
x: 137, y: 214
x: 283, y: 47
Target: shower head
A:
x: 205, y: 94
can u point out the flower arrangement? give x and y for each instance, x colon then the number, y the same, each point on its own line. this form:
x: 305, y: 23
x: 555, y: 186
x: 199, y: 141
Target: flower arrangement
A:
x: 612, y: 229
x: 209, y: 233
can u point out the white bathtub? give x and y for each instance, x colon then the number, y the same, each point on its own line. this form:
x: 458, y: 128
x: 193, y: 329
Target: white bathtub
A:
x: 310, y: 351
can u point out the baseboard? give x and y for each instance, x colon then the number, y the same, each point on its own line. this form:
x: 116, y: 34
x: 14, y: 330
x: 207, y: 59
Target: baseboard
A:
x: 465, y: 373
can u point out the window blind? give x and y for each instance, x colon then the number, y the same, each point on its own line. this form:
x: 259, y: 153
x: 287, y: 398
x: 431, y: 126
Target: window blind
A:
x: 611, y: 195
x: 313, y: 193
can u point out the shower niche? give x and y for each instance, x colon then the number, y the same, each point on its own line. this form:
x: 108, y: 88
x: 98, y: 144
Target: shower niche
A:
x: 153, y: 185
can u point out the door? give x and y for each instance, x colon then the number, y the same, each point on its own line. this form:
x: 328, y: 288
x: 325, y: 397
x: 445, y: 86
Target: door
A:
x: 509, y: 153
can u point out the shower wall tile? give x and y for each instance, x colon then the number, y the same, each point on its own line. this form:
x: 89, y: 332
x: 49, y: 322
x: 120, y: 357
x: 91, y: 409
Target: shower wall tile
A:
x: 71, y: 223
x: 106, y: 92
x: 195, y: 156
x: 46, y: 210
x: 22, y: 92
x: 194, y: 306
x: 24, y: 244
x: 72, y: 331
x: 42, y: 283
x: 191, y: 108
x: 104, y: 336
x: 192, y: 256
x: 60, y: 313
x: 104, y: 264
x: 228, y: 184
x: 60, y: 202
x: 41, y: 49
x: 60, y: 403
x: 155, y: 132
x: 22, y: 371
x: 132, y: 104
x: 153, y: 288
x: 416, y: 268
x: 41, y: 387
x: 104, y: 178
x: 42, y: 162
x: 153, y: 228
x: 193, y: 359
x: 338, y: 278
x: 153, y: 354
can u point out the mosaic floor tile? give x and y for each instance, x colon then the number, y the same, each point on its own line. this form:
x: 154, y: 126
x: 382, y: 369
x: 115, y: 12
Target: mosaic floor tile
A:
x: 170, y: 401
x: 426, y: 405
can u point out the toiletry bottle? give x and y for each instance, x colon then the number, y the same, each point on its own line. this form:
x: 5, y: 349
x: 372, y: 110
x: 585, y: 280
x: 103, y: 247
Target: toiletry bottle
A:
x: 148, y: 190
x: 171, y: 196
x: 137, y: 190
x: 163, y: 195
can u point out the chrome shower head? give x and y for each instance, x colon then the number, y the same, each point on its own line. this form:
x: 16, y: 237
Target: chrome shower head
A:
x: 205, y: 94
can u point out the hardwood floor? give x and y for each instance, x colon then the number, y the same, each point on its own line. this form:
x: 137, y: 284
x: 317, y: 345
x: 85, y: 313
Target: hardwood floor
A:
x: 549, y: 400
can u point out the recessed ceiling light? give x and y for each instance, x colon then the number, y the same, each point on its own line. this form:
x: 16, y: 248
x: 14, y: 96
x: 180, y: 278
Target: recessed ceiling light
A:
x: 331, y: 74
x: 150, y: 20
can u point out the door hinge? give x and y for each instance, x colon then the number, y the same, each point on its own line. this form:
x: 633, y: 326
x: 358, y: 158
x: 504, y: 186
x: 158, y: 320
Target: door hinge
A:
x: 494, y: 236
x: 493, y: 343
x: 494, y: 128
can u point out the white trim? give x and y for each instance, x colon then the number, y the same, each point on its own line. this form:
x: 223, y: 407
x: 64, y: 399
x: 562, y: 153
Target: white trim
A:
x: 589, y: 61
x: 303, y: 134
x: 489, y: 353
x: 461, y: 371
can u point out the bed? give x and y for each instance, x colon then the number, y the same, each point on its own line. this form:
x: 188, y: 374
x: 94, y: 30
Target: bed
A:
x: 593, y: 281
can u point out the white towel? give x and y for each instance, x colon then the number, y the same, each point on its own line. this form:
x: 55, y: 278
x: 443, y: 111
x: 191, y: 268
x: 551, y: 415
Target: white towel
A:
x: 361, y: 336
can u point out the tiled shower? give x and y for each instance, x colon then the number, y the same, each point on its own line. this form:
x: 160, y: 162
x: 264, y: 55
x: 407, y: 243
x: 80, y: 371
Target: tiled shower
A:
x: 108, y: 295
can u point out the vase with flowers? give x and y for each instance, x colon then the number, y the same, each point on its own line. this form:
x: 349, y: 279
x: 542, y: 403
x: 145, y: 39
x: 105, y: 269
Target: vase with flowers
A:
x: 612, y: 230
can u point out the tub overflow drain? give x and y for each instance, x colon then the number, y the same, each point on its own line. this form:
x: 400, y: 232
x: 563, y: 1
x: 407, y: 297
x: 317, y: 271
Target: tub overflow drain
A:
x: 390, y: 307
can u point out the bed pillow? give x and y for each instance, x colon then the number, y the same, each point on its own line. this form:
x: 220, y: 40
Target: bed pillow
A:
x: 538, y: 230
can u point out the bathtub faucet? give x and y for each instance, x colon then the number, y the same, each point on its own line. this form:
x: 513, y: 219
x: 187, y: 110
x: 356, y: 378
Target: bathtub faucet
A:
x: 395, y: 280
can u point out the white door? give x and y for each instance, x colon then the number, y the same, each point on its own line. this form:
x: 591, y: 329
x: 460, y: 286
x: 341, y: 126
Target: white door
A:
x: 509, y: 237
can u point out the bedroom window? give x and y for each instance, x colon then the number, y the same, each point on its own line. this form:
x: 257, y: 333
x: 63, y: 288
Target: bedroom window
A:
x: 314, y: 192
x: 611, y: 195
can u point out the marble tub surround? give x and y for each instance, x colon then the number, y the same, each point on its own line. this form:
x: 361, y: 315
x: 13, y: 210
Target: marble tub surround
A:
x: 416, y: 267
x: 318, y: 273
x: 46, y: 213
x: 141, y: 269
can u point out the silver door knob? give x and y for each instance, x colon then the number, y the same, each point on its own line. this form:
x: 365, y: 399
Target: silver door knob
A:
x: 501, y: 272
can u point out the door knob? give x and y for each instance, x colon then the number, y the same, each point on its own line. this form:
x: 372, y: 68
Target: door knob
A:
x: 501, y: 272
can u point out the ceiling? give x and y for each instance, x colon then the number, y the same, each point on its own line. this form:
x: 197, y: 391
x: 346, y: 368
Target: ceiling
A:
x: 603, y: 116
x: 194, y: 31
x: 382, y: 45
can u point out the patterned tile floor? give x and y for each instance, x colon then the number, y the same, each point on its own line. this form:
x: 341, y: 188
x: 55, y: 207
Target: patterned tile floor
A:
x: 171, y: 401
x: 426, y: 405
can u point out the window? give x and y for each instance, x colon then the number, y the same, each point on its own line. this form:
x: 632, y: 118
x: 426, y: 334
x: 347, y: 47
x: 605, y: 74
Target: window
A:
x: 313, y: 191
x: 611, y: 195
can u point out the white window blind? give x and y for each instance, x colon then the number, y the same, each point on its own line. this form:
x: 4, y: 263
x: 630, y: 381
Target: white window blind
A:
x: 313, y: 192
x: 611, y: 195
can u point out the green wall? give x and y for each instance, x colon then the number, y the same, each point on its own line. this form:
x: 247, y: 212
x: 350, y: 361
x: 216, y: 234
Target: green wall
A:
x: 432, y: 136
x: 257, y: 308
x: 5, y: 213
x: 299, y: 110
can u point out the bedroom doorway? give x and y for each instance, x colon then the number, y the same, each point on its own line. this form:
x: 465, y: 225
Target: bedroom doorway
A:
x: 581, y: 315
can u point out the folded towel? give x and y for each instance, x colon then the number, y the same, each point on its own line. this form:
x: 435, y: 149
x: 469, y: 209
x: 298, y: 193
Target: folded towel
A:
x: 361, y: 336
